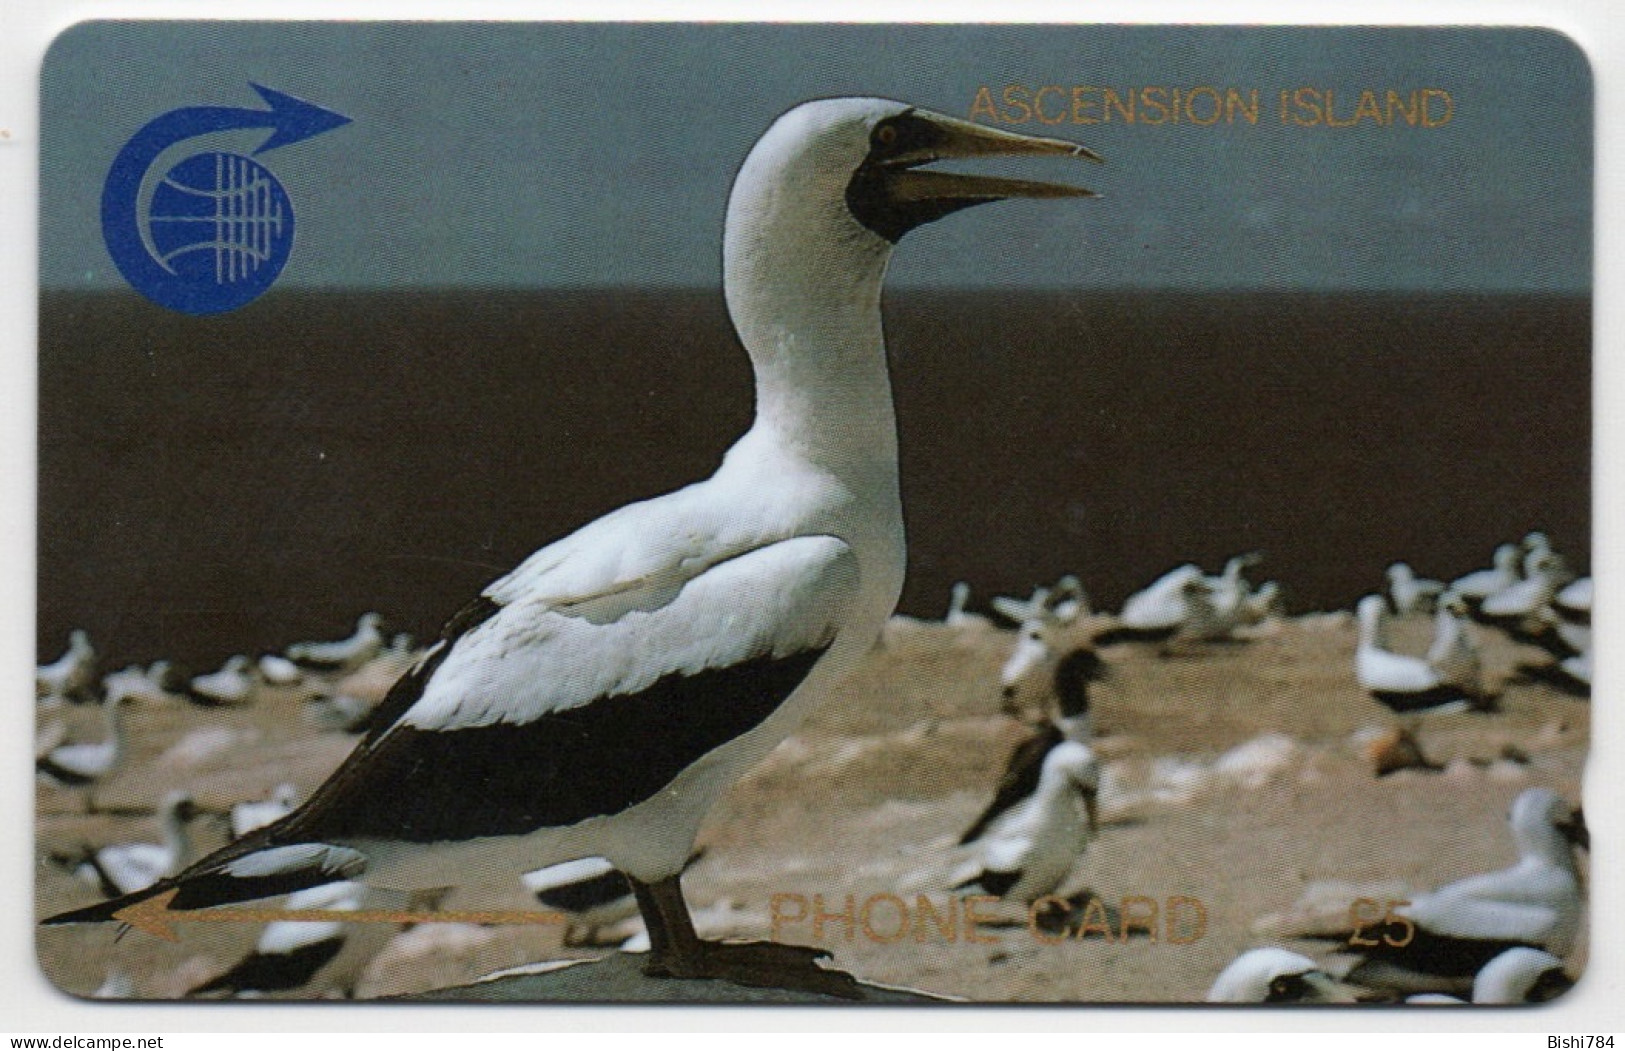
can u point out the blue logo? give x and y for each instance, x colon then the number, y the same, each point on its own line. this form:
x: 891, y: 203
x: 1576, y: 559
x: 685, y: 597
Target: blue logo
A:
x: 211, y: 232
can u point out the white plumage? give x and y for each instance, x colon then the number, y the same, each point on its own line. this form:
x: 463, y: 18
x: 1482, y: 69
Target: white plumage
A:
x: 1276, y: 976
x: 257, y: 813
x: 1401, y: 681
x: 1409, y: 593
x: 289, y: 953
x: 597, y: 700
x: 1027, y: 852
x: 83, y: 763
x: 1454, y: 654
x: 958, y: 616
x: 1164, y: 604
x: 344, y: 654
x: 1480, y: 584
x: 233, y: 684
x: 71, y: 676
x: 1535, y: 903
x: 123, y: 868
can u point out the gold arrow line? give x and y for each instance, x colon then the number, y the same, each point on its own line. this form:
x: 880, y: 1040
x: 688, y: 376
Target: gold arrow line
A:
x: 154, y: 916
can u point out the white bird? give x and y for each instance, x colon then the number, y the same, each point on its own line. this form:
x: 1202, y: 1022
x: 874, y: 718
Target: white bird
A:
x: 599, y: 698
x: 280, y: 671
x: 1400, y: 681
x: 1573, y: 601
x: 1456, y: 930
x: 289, y: 953
x: 83, y: 764
x: 142, y: 685
x: 957, y: 616
x: 1454, y: 654
x: 1216, y: 606
x: 1071, y: 721
x: 591, y: 890
x: 1026, y: 852
x: 1020, y: 611
x: 1517, y: 976
x: 125, y: 868
x: 345, y: 654
x: 1545, y: 574
x: 1505, y: 571
x: 233, y: 684
x: 257, y: 813
x: 1068, y: 601
x: 1276, y: 976
x: 70, y: 677
x: 1161, y: 607
x: 338, y: 711
x: 1409, y: 593
x: 1263, y: 603
x: 1027, y: 665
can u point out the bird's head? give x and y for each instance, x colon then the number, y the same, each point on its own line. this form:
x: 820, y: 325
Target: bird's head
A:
x: 1276, y: 976
x: 868, y: 156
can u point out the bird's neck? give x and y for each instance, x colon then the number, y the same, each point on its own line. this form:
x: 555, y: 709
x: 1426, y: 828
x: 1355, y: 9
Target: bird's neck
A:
x: 1548, y: 844
x: 177, y: 841
x: 113, y: 717
x: 803, y: 291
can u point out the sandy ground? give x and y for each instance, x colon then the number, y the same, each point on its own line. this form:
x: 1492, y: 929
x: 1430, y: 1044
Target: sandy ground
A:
x: 867, y: 800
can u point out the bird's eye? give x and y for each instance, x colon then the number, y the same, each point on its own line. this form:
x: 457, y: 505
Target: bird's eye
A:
x: 886, y: 134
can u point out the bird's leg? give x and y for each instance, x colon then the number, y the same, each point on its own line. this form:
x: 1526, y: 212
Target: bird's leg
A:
x: 676, y: 951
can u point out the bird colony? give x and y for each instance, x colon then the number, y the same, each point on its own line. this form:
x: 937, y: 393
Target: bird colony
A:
x: 694, y: 732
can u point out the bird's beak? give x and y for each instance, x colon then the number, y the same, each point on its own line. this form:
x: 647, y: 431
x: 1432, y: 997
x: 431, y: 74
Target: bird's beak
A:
x: 961, y: 140
x: 1575, y: 829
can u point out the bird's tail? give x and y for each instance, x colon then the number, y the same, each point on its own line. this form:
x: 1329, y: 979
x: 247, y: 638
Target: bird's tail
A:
x: 224, y: 878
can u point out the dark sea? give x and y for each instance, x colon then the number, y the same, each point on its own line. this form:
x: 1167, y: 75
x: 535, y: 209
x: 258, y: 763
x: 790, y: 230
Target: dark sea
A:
x: 229, y: 484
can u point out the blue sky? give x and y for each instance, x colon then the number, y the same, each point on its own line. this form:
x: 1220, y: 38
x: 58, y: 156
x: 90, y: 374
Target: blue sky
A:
x: 562, y: 155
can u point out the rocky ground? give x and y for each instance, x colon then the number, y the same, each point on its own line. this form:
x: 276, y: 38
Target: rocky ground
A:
x: 1237, y: 777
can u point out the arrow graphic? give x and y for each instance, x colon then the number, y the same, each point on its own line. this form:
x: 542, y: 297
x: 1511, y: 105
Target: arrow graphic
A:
x: 290, y: 120
x: 154, y: 916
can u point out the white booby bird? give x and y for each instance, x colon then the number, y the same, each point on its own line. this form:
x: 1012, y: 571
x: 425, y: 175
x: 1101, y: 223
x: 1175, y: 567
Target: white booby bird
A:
x: 957, y: 615
x: 289, y: 953
x: 1409, y: 593
x: 1216, y: 606
x: 257, y: 813
x: 344, y: 654
x: 1276, y: 976
x: 126, y: 868
x: 1460, y: 927
x: 1572, y: 602
x: 1162, y: 608
x: 598, y: 699
x: 83, y: 764
x: 1454, y: 653
x: 1068, y: 601
x: 1480, y: 584
x: 1071, y: 721
x: 233, y: 684
x: 1022, y: 610
x: 142, y: 685
x: 1517, y: 976
x: 338, y: 711
x: 1026, y: 852
x: 1400, y: 681
x: 1545, y: 573
x: 72, y: 676
x: 1521, y: 976
x: 279, y: 671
